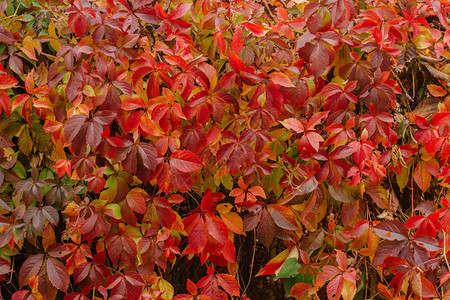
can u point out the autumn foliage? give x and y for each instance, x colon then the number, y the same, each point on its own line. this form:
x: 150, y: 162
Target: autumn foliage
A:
x: 208, y: 149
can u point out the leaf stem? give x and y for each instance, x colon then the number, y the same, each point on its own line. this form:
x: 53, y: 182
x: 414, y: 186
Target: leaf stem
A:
x: 445, y: 253
x: 252, y: 262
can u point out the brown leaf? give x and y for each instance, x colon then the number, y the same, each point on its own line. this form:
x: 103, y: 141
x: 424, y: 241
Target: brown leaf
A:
x: 6, y: 36
x: 436, y: 73
x: 30, y: 268
x: 427, y: 108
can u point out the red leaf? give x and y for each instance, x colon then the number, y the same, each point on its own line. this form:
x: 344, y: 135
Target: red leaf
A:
x: 30, y: 268
x: 255, y: 29
x: 79, y: 24
x: 235, y: 62
x: 393, y: 262
x: 136, y: 201
x: 73, y: 126
x: 7, y: 82
x: 5, y: 266
x: 217, y: 229
x: 166, y: 216
x: 334, y: 288
x: 5, y: 103
x: 179, y: 179
x: 193, y: 138
x: 191, y: 287
x: 121, y: 248
x: 341, y: 259
x: 128, y: 285
x: 220, y: 41
x: 19, y: 295
x: 427, y: 242
x: 414, y: 222
x: 180, y: 11
x: 198, y: 235
x: 293, y: 124
x: 422, y: 287
x: 274, y: 263
x: 319, y: 60
x: 283, y: 217
x: 238, y: 43
x: 57, y: 274
x: 229, y: 284
x: 185, y: 161
x: 341, y: 152
x: 391, y: 230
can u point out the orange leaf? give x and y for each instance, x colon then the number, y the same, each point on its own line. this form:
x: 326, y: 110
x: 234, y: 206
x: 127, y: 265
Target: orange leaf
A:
x: 422, y: 287
x: 436, y: 91
x: 257, y: 191
x: 29, y: 82
x: 274, y: 264
x: 233, y: 222
x: 281, y: 79
x: 7, y: 82
x: 385, y: 291
x: 422, y: 177
x: 300, y: 290
x: 341, y: 259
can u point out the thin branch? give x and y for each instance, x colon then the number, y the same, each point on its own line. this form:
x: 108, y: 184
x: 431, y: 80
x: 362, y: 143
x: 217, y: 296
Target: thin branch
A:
x: 408, y: 97
x: 269, y: 12
x: 251, y: 264
x: 283, y: 2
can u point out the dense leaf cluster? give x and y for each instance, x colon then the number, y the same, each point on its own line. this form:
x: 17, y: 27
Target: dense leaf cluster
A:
x: 140, y: 136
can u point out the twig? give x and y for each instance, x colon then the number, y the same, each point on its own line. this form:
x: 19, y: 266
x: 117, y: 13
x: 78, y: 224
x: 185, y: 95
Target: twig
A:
x: 412, y: 193
x: 404, y: 90
x: 251, y: 265
x: 269, y: 12
x: 283, y: 2
x: 17, y: 9
x: 367, y: 278
x: 445, y: 254
x: 426, y: 262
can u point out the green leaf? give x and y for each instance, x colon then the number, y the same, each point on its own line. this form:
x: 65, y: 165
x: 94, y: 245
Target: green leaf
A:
x: 25, y: 18
x: 41, y: 139
x: 46, y: 174
x: 289, y: 269
x: 227, y: 182
x: 25, y: 143
x: 20, y: 170
x: 10, y: 9
x: 113, y: 210
x: 402, y: 179
x: 288, y: 283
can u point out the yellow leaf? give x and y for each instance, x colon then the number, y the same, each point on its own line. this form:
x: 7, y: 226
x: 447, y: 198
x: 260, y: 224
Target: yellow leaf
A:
x: 227, y: 181
x: 55, y: 44
x: 223, y: 208
x: 28, y: 47
x: 166, y: 288
x: 348, y: 290
x: 233, y: 222
x: 402, y: 179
